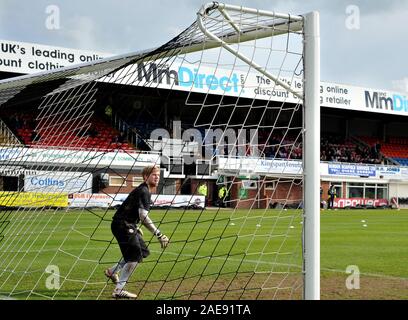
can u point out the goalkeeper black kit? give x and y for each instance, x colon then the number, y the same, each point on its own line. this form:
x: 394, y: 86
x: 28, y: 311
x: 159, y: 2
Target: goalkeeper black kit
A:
x: 124, y: 223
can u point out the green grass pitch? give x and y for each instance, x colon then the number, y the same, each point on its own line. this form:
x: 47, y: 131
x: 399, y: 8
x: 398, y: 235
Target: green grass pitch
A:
x: 213, y: 254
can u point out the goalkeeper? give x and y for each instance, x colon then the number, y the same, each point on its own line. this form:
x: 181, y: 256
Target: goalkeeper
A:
x: 134, y: 209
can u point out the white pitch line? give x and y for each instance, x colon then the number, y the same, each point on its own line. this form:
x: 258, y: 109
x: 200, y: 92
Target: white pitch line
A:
x: 6, y: 298
x: 229, y: 259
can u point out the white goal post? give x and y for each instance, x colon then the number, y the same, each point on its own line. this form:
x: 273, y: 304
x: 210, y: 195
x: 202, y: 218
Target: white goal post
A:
x: 311, y: 105
x: 311, y: 159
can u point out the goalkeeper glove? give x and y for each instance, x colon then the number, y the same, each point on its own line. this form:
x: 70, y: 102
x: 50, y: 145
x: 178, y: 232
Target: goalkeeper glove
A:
x: 163, y: 239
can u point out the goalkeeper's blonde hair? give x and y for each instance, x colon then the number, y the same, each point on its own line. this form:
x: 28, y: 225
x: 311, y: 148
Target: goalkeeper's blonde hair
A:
x: 148, y: 170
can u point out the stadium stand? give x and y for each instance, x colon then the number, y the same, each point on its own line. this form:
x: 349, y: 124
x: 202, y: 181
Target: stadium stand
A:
x: 103, y: 136
x: 279, y: 144
x: 395, y: 148
x: 333, y: 149
x: 100, y: 135
x: 341, y: 149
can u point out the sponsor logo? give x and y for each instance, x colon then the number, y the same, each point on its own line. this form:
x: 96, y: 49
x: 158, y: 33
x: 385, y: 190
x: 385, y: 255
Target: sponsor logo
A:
x: 380, y: 100
x: 46, y: 182
x: 186, y: 77
x: 354, y: 202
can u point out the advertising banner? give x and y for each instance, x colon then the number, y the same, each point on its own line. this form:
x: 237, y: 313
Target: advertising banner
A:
x: 22, y: 156
x: 350, y: 169
x: 260, y: 165
x: 85, y: 200
x: 80, y: 200
x: 388, y: 172
x: 68, y: 182
x: 26, y: 58
x: 354, y: 202
x: 188, y: 77
x: 178, y: 201
x: 33, y: 199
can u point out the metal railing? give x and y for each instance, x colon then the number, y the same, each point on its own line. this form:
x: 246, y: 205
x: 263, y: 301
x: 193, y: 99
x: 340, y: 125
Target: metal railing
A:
x: 122, y: 126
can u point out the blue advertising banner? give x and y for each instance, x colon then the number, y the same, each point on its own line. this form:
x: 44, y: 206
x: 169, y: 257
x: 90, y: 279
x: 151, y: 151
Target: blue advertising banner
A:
x: 352, y: 170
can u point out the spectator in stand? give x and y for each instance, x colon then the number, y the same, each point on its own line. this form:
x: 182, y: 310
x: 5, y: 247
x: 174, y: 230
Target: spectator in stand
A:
x: 26, y: 124
x: 378, y: 147
x: 373, y: 151
x: 29, y: 123
x: 15, y: 122
x: 120, y: 138
x: 334, y: 149
x: 108, y: 112
x: 19, y: 123
x: 282, y: 153
x: 323, y: 156
x: 84, y: 132
x: 35, y: 136
x: 248, y: 150
x: 92, y: 132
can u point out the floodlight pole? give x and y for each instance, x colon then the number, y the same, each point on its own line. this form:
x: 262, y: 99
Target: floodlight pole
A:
x: 311, y: 156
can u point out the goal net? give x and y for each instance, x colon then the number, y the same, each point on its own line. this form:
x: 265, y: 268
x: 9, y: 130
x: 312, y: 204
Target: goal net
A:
x: 229, y: 104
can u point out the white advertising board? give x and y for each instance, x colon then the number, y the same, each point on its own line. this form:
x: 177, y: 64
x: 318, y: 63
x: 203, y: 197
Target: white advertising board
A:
x: 21, y: 156
x: 26, y: 58
x: 79, y: 200
x: 260, y: 165
x: 186, y: 77
x: 66, y: 182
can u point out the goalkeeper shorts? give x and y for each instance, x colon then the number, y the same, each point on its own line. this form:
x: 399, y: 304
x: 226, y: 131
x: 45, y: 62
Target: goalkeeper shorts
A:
x: 130, y: 241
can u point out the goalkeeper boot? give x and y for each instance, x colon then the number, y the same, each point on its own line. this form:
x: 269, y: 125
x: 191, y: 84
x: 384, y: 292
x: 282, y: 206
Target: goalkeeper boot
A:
x: 112, y: 275
x: 122, y: 294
